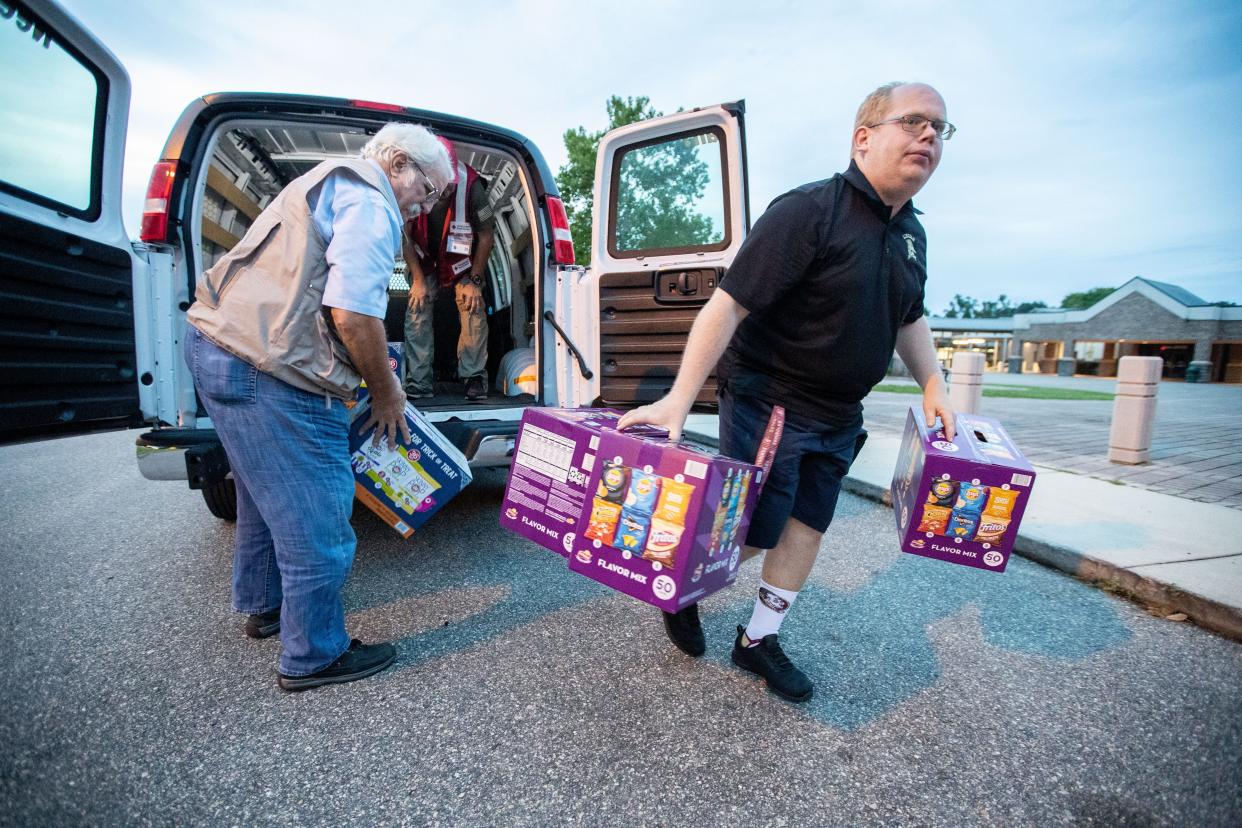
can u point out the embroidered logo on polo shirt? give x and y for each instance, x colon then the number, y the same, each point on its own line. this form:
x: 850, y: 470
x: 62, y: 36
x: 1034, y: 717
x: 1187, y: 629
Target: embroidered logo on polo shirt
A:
x: 910, y: 255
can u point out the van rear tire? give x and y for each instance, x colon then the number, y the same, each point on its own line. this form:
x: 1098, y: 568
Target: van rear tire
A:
x: 221, y: 499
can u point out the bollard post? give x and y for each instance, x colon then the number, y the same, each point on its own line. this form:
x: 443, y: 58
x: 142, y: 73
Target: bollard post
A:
x: 966, y: 382
x: 1134, y: 409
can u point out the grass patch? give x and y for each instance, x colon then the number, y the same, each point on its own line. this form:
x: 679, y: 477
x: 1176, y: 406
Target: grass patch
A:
x: 898, y: 389
x: 1019, y: 391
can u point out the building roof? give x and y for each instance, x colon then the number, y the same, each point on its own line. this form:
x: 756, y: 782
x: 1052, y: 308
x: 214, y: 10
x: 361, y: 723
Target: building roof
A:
x: 1176, y: 300
x: 1002, y: 324
x: 1176, y: 293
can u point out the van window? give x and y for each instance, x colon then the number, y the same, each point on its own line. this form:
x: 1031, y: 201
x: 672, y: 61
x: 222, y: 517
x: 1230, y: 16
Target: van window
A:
x: 669, y: 195
x: 51, y: 136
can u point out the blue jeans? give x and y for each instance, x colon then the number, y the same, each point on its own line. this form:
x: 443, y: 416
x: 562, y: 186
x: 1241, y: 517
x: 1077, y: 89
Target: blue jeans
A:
x: 289, y: 453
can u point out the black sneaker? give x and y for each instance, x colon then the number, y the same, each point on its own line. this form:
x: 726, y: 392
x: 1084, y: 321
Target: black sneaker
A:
x: 768, y: 660
x: 476, y: 388
x: 358, y: 662
x: 263, y: 624
x: 685, y: 631
x: 418, y: 394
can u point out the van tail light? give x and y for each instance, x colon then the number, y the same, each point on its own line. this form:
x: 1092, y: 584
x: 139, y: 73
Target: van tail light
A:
x: 376, y: 105
x: 562, y: 241
x: 155, y: 208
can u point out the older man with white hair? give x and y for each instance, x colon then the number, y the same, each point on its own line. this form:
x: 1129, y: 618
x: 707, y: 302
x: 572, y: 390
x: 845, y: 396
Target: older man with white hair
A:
x: 282, y: 330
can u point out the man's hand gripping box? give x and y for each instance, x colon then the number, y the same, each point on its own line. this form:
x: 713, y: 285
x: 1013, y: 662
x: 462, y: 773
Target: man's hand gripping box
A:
x: 407, y: 486
x: 659, y: 521
x: 960, y: 501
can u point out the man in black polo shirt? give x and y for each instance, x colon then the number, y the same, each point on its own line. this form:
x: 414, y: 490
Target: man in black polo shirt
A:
x: 827, y: 284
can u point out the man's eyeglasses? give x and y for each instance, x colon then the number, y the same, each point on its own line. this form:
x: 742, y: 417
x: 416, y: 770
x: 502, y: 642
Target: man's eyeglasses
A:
x: 433, y: 192
x: 914, y: 125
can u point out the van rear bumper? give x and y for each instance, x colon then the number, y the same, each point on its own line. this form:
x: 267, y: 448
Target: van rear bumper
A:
x: 485, y: 443
x: 196, y: 455
x: 162, y: 453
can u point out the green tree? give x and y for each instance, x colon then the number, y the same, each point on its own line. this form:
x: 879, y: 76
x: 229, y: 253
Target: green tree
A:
x: 661, y: 184
x: 994, y: 309
x: 1085, y: 299
x: 962, y: 307
x: 576, y: 179
x: 967, y: 307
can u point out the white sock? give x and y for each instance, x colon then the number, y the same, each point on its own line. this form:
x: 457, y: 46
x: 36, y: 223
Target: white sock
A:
x: 770, y: 608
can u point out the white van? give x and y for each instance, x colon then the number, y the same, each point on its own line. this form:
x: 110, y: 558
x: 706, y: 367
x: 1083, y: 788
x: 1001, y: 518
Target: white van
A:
x: 92, y: 321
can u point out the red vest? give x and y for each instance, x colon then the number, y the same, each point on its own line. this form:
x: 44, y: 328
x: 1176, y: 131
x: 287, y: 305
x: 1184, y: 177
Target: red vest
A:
x: 450, y: 267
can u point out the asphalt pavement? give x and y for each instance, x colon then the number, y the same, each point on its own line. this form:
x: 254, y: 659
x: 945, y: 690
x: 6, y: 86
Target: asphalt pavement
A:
x: 527, y: 695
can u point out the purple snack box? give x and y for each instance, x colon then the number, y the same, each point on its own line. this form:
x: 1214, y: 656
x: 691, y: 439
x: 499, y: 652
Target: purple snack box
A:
x: 551, y: 479
x: 559, y: 457
x: 981, y: 455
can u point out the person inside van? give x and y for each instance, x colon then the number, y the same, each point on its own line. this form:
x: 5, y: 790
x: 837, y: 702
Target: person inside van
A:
x: 823, y: 289
x: 282, y: 329
x: 447, y: 249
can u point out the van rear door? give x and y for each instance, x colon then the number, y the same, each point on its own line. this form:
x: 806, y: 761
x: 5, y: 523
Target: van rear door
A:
x: 68, y: 361
x: 670, y: 214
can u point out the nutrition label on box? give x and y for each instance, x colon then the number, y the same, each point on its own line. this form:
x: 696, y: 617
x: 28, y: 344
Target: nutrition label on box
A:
x: 545, y: 452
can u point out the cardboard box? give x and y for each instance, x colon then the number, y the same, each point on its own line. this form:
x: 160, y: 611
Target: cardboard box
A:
x: 960, y: 501
x: 659, y: 521
x: 407, y: 486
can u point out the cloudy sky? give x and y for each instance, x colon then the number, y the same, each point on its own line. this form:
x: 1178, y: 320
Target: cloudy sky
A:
x: 1097, y: 141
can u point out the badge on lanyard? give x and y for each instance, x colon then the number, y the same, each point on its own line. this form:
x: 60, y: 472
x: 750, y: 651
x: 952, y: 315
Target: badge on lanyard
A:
x: 461, y: 234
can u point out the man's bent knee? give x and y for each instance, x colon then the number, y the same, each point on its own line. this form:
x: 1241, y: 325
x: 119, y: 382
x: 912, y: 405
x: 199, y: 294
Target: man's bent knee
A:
x: 749, y: 552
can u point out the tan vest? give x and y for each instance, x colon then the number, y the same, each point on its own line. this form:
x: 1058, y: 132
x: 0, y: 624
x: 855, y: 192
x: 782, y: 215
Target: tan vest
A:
x: 263, y: 300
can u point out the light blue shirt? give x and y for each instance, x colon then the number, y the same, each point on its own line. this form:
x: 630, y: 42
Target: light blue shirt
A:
x: 362, y: 229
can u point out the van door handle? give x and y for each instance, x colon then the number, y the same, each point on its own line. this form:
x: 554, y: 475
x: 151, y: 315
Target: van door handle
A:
x: 569, y: 343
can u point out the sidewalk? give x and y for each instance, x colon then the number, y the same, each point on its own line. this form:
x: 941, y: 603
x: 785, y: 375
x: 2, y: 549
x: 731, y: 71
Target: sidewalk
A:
x: 1174, y: 554
x: 1195, y: 451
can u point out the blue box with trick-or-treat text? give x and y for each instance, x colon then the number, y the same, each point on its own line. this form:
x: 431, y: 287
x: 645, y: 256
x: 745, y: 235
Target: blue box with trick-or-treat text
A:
x: 407, y: 485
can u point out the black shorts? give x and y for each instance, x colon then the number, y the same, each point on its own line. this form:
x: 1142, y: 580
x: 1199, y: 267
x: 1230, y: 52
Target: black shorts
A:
x: 811, y: 460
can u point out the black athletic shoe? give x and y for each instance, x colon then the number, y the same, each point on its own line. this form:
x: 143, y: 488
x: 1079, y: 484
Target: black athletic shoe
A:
x: 358, y: 662
x: 476, y: 388
x: 263, y: 624
x: 685, y: 631
x: 768, y: 660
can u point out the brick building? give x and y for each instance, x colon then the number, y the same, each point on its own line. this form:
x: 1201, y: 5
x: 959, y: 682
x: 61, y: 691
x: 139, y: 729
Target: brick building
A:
x: 1198, y: 342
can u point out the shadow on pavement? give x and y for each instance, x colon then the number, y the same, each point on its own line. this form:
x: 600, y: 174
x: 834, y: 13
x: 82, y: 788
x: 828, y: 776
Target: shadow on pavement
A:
x: 868, y: 650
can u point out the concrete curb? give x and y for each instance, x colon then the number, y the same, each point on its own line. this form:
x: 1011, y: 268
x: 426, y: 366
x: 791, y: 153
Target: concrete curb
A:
x: 1166, y: 599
